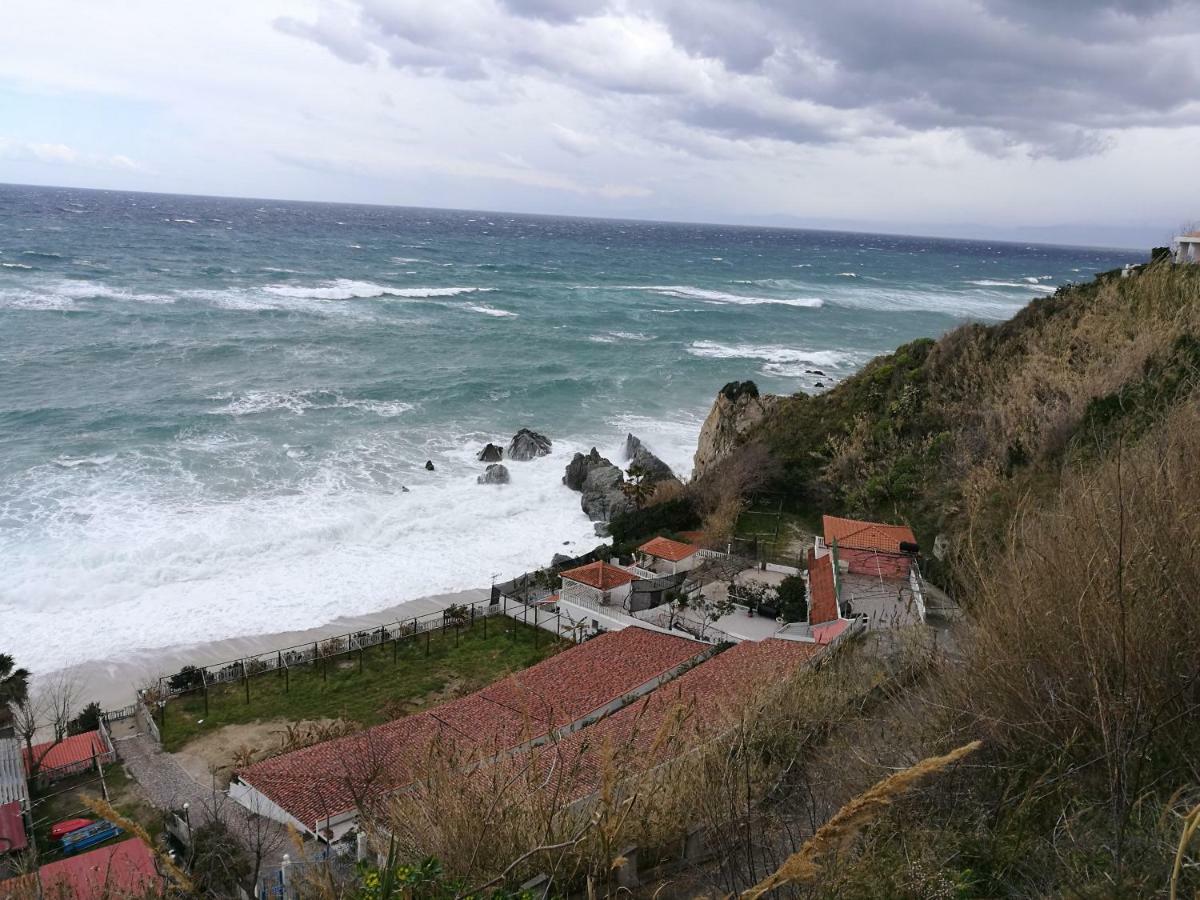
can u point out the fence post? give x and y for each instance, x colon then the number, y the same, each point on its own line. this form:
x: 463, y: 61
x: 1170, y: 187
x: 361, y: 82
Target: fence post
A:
x: 278, y: 660
x: 395, y: 645
x: 360, y: 659
x: 287, y: 679
x: 536, y: 629
x: 204, y: 687
x: 456, y: 634
x: 246, y: 680
x: 427, y: 644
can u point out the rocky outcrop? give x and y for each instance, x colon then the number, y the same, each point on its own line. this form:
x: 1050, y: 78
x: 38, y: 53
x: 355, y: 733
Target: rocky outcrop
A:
x: 737, y: 409
x: 494, y: 474
x: 639, y: 455
x: 579, y: 466
x: 527, y: 444
x: 429, y: 465
x: 603, y: 494
x: 490, y: 454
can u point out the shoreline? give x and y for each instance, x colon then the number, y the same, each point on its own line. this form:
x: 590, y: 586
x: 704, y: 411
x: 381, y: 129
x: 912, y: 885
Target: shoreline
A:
x: 113, y: 683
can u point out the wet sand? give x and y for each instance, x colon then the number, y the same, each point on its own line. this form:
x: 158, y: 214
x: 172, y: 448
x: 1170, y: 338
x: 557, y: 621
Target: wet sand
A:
x: 113, y: 683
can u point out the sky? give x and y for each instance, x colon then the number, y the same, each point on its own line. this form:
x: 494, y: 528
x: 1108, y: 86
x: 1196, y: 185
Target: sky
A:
x: 1075, y: 121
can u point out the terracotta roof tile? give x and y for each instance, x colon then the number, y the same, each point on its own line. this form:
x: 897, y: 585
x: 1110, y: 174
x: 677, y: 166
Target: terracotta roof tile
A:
x: 600, y: 575
x: 706, y: 697
x: 322, y: 781
x: 124, y: 869
x: 822, y: 590
x: 78, y: 748
x: 865, y: 535
x: 665, y: 548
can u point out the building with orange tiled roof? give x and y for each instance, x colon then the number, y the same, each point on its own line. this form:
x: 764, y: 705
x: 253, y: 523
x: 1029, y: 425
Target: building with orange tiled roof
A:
x: 869, y: 548
x: 58, y: 759
x: 599, y: 583
x: 822, y: 590
x: 667, y: 557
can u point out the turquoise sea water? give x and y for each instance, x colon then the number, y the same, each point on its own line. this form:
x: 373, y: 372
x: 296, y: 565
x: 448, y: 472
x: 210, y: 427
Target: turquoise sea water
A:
x: 209, y: 408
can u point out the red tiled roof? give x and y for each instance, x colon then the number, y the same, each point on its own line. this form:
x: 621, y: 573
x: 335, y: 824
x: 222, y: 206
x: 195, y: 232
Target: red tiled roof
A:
x: 319, y: 782
x: 706, y: 697
x: 824, y: 634
x: 69, y: 751
x: 822, y: 590
x: 865, y: 535
x: 126, y: 869
x: 12, y: 828
x: 665, y: 548
x: 600, y: 575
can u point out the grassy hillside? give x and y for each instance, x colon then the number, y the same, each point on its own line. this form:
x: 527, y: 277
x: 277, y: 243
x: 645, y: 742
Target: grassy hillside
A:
x: 950, y: 434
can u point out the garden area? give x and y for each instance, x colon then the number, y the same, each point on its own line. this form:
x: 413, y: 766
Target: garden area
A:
x: 769, y: 530
x: 367, y: 686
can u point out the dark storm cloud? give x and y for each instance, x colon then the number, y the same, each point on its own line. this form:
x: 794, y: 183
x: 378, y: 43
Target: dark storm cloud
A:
x: 1047, y: 78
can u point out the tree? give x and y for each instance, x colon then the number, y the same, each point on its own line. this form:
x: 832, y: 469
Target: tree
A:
x: 639, y: 488
x: 793, y: 599
x: 87, y: 720
x: 51, y: 709
x: 14, y: 687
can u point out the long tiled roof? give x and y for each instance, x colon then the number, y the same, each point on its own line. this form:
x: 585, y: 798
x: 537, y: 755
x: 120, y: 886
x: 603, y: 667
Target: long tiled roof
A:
x: 321, y: 781
x: 822, y: 591
x: 665, y: 548
x: 600, y: 575
x: 78, y: 748
x: 865, y: 535
x: 705, y: 699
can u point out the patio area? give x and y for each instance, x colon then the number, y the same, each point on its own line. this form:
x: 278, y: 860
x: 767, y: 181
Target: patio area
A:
x: 886, y: 602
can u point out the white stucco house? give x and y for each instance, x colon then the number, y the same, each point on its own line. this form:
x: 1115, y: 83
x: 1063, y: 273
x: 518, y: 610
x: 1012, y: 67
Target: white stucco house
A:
x: 668, y: 557
x: 596, y: 583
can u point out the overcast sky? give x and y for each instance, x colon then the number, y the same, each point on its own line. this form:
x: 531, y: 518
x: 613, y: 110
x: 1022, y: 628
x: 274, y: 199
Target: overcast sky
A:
x: 942, y: 115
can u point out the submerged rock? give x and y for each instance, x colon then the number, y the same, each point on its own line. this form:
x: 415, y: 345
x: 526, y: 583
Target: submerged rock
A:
x: 527, y: 444
x: 494, y: 474
x: 558, y: 559
x: 429, y: 465
x: 490, y: 454
x: 579, y: 466
x: 601, y: 529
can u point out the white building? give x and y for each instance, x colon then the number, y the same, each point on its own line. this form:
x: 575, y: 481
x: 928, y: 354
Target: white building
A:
x: 667, y: 557
x: 596, y: 583
x: 1187, y: 247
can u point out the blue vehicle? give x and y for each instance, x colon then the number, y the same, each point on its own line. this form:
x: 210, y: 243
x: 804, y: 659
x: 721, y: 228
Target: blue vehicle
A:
x: 86, y: 838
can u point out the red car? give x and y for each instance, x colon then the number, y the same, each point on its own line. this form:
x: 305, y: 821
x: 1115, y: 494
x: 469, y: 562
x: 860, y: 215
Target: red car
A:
x: 67, y: 826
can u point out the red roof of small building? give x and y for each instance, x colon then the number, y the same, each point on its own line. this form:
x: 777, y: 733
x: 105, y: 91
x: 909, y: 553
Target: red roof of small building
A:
x: 75, y: 749
x: 322, y: 781
x: 125, y: 869
x: 12, y: 828
x: 600, y: 575
x: 865, y: 535
x: 665, y: 548
x: 822, y: 590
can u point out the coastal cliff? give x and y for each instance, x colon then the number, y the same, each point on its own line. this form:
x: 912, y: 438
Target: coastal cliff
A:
x: 738, y: 408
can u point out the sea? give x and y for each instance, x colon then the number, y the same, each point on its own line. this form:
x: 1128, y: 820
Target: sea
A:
x: 215, y: 414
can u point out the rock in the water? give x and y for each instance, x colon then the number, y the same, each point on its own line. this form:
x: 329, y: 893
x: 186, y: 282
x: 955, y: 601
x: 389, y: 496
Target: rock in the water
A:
x: 558, y: 559
x: 603, y: 497
x: 601, y: 529
x: 494, y: 474
x: 527, y: 444
x: 429, y: 465
x: 579, y: 466
x: 490, y: 454
x: 403, y: 489
x: 737, y: 409
x: 639, y: 455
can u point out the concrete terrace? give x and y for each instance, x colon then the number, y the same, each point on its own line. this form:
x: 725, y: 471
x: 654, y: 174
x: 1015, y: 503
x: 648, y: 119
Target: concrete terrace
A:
x: 319, y: 788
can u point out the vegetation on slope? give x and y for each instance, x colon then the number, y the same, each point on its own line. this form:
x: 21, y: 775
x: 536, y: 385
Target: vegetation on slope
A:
x: 948, y: 434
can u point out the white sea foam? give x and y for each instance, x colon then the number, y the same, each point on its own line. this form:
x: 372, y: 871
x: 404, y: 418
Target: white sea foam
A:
x: 348, y: 289
x: 75, y: 462
x: 491, y: 311
x: 987, y: 282
x: 720, y: 297
x: 65, y: 294
x: 15, y: 266
x: 138, y: 558
x: 298, y: 402
x: 782, y: 361
x: 848, y: 274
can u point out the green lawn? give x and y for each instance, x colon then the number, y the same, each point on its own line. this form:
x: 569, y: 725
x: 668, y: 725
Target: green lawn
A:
x: 422, y: 672
x: 61, y: 800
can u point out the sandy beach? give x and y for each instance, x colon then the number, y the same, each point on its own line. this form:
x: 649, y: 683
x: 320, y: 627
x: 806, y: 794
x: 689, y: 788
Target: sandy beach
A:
x: 113, y: 683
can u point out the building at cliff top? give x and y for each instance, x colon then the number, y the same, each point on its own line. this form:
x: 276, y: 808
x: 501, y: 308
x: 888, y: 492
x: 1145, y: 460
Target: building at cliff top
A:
x: 1187, y: 247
